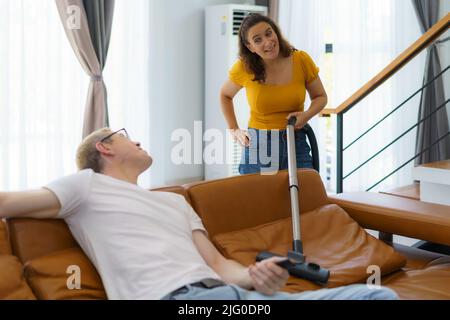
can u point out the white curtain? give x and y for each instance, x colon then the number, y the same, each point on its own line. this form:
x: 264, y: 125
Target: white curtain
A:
x: 128, y: 71
x: 43, y: 89
x: 366, y: 36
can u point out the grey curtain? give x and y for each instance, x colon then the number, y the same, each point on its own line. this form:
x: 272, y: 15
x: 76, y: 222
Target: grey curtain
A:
x: 433, y: 96
x: 273, y: 7
x: 90, y: 42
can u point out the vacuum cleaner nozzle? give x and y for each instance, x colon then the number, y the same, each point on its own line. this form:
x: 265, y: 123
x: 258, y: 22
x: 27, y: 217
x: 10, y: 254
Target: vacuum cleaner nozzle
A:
x: 305, y: 270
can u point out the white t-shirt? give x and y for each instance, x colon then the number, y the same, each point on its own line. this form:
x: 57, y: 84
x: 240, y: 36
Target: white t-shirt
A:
x: 140, y: 241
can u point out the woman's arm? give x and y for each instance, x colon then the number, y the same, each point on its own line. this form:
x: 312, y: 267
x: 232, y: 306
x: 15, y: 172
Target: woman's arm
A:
x: 227, y: 93
x: 319, y: 100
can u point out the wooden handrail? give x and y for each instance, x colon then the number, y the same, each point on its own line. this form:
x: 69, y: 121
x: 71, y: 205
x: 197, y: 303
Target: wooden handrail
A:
x: 422, y: 43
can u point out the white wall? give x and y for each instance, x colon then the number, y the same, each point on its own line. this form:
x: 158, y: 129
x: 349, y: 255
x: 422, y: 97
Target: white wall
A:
x: 177, y: 92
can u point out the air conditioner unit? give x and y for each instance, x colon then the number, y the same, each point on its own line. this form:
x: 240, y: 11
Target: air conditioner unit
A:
x: 222, y: 25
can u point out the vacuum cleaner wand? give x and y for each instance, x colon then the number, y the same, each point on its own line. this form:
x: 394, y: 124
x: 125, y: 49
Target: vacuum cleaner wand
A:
x: 293, y: 186
x: 295, y: 263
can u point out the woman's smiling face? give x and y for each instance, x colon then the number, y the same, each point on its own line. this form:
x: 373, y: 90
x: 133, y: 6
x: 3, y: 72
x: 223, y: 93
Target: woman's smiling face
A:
x: 263, y: 41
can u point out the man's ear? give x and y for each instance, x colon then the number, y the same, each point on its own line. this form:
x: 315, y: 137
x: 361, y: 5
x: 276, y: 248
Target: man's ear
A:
x: 103, y: 148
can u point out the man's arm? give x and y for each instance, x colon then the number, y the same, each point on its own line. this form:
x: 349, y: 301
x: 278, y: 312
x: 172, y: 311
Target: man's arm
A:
x: 39, y: 204
x: 264, y: 276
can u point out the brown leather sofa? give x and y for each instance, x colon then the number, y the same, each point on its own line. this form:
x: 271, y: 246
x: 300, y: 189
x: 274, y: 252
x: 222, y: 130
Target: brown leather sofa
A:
x: 246, y: 214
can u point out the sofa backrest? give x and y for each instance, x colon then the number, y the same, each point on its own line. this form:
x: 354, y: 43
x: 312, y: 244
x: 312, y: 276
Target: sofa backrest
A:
x: 47, y: 248
x: 4, y: 243
x: 32, y: 238
x: 245, y: 201
x: 224, y: 205
x: 12, y: 282
x: 175, y: 189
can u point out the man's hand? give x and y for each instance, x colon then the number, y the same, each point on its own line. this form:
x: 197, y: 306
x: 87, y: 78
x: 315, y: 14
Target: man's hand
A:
x: 267, y: 277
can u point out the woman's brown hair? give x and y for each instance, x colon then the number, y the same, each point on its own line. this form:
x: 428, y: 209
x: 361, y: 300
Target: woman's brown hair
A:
x: 253, y: 62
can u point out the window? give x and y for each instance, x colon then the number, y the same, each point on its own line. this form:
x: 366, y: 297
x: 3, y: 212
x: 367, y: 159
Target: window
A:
x: 366, y: 36
x: 43, y: 89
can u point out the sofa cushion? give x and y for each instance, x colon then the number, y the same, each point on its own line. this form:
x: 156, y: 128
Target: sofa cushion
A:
x: 4, y: 243
x: 235, y: 203
x: 33, y: 238
x: 418, y: 258
x: 425, y: 276
x: 49, y: 276
x: 429, y: 283
x: 330, y: 238
x: 12, y: 284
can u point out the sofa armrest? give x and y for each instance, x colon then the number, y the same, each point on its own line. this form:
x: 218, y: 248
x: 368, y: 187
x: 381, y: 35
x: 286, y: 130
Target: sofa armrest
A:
x: 396, y: 215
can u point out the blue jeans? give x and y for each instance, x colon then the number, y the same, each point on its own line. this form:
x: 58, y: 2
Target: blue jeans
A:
x: 233, y: 292
x: 268, y: 152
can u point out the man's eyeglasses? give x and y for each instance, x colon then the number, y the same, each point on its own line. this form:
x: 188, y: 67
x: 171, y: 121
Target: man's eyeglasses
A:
x: 123, y: 131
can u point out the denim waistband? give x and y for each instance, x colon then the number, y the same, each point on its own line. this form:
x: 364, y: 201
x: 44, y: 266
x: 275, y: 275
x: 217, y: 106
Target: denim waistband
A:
x: 277, y: 130
x: 205, y: 284
x: 209, y: 283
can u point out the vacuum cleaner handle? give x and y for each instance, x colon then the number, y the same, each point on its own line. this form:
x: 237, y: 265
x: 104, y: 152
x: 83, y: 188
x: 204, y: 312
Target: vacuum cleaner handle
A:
x: 314, y: 146
x: 295, y: 262
x: 293, y: 185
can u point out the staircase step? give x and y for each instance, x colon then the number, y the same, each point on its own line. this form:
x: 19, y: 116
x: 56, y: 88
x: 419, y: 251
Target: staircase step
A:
x: 411, y: 191
x: 434, y: 182
x: 443, y: 165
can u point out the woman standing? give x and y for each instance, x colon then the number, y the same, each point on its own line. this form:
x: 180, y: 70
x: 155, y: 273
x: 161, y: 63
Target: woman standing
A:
x: 276, y: 77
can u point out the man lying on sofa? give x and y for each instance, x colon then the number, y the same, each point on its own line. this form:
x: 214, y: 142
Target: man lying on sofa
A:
x: 150, y: 245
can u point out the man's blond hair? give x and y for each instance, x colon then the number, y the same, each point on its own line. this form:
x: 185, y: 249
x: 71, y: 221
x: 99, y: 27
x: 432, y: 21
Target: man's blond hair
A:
x: 88, y: 156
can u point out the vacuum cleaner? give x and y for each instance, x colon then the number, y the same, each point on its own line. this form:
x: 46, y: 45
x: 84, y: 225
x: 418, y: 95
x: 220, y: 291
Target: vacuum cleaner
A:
x: 296, y: 263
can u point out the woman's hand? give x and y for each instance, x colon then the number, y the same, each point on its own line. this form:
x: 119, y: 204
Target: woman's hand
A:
x: 241, y: 136
x: 302, y: 119
x: 267, y: 277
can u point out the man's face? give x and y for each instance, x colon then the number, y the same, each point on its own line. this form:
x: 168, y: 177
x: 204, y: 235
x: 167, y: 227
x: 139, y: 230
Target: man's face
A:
x: 128, y: 152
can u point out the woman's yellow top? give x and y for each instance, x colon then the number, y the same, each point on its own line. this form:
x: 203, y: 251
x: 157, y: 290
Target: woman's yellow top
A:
x: 271, y: 104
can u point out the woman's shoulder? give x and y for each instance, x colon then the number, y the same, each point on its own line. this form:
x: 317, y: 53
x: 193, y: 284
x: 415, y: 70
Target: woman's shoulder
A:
x: 239, y: 66
x: 310, y: 69
x: 239, y: 74
x: 302, y: 55
x: 303, y: 59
